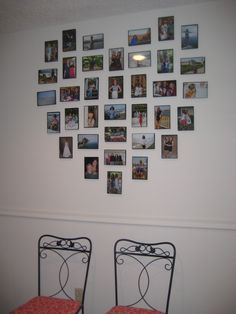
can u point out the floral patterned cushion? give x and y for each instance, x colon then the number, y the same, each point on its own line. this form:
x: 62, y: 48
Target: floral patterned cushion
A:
x: 48, y: 305
x: 131, y: 310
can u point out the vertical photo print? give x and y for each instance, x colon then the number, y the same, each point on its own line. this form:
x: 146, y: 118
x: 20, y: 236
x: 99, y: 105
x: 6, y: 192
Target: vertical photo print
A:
x: 139, y: 168
x: 116, y: 59
x: 69, y: 68
x: 189, y: 36
x: 162, y: 117
x: 91, y: 167
x: 71, y: 118
x: 69, y: 40
x: 51, y: 51
x: 138, y: 85
x: 169, y: 146
x: 115, y: 87
x: 165, y: 61
x: 66, y: 147
x: 185, y: 118
x: 166, y: 28
x: 139, y: 115
x: 114, y: 182
x: 91, y: 88
x: 90, y: 116
x: 53, y: 122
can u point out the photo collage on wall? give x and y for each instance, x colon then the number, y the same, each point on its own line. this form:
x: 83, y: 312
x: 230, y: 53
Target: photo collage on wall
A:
x: 115, y: 131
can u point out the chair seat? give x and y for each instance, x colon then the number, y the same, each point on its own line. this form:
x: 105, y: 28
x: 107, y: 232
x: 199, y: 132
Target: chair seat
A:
x: 131, y: 310
x: 48, y: 305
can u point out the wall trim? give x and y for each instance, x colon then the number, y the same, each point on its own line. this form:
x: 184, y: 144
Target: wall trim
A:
x: 116, y: 219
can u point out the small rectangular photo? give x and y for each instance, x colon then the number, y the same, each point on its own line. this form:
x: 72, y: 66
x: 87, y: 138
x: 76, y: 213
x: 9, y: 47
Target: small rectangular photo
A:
x: 139, y: 59
x: 115, y: 112
x: 162, y: 117
x: 115, y: 134
x: 114, y: 182
x: 116, y: 59
x: 140, y: 36
x: 192, y: 65
x: 69, y: 40
x: 51, y: 51
x: 115, y: 157
x: 138, y: 85
x: 53, y: 122
x: 143, y: 141
x: 169, y: 146
x: 164, y: 88
x: 165, y: 61
x: 66, y: 147
x: 195, y: 89
x: 69, y: 68
x: 88, y: 141
x: 189, y: 36
x: 71, y: 118
x: 47, y: 76
x: 115, y: 87
x: 139, y: 168
x: 91, y: 116
x: 69, y: 93
x: 166, y: 28
x: 91, y: 167
x: 139, y: 115
x: 91, y: 42
x: 185, y: 118
x: 91, y: 88
x: 46, y: 98
x: 92, y: 63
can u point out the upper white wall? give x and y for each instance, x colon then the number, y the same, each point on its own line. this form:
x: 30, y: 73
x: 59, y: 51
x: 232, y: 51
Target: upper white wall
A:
x: 198, y: 186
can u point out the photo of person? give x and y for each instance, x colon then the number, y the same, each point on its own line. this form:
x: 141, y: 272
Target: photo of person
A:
x: 194, y: 65
x: 162, y: 117
x: 139, y: 168
x: 92, y: 63
x: 114, y: 182
x: 166, y: 28
x: 143, y: 141
x: 165, y: 61
x: 115, y: 157
x: 189, y: 36
x: 139, y: 59
x: 69, y: 93
x: 195, y: 89
x: 69, y: 68
x: 91, y: 88
x: 51, y: 51
x: 53, y: 122
x: 185, y: 118
x: 91, y: 167
x: 169, y: 146
x: 65, y: 147
x: 47, y: 76
x: 139, y: 115
x: 115, y: 87
x: 116, y: 134
x: 116, y: 59
x: 90, y: 116
x: 69, y: 40
x: 164, y: 88
x: 139, y: 36
x: 91, y: 42
x: 138, y: 85
x: 115, y: 112
x: 71, y: 118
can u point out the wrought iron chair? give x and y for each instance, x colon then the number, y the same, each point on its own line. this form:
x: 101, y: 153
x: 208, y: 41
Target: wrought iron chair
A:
x: 63, y: 266
x: 143, y: 277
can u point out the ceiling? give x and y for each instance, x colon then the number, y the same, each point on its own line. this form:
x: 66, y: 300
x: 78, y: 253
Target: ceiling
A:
x: 18, y: 15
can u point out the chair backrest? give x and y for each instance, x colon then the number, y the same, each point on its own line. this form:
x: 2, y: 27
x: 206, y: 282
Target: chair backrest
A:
x: 144, y: 273
x: 63, y: 266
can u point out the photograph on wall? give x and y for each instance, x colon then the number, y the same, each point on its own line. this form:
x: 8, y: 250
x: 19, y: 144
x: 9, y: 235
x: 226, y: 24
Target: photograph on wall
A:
x: 189, y: 36
x: 143, y: 141
x: 115, y: 134
x: 139, y: 36
x: 91, y: 42
x: 164, y: 88
x: 69, y: 40
x: 91, y: 88
x: 91, y: 116
x: 139, y: 59
x: 88, y: 141
x: 192, y: 65
x: 139, y: 115
x: 71, y: 118
x: 53, y: 122
x: 185, y: 118
x: 69, y: 68
x: 66, y: 147
x: 114, y: 182
x: 139, y: 168
x: 169, y: 146
x: 138, y: 85
x: 115, y: 87
x: 162, y: 117
x: 51, y: 51
x: 47, y: 76
x: 165, y: 61
x: 195, y: 89
x: 115, y: 112
x: 116, y: 59
x: 91, y: 167
x: 69, y: 93
x: 92, y: 63
x: 166, y: 28
x: 115, y: 157
x: 46, y: 98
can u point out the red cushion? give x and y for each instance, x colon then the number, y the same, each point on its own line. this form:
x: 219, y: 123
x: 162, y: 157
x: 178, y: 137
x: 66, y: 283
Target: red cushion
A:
x: 48, y: 305
x: 131, y: 310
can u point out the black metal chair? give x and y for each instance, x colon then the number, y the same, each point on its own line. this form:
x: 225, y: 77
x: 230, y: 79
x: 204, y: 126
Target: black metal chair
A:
x: 143, y: 277
x: 63, y: 266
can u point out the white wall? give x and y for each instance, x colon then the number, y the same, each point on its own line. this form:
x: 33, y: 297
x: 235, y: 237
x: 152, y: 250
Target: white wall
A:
x: 190, y: 201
